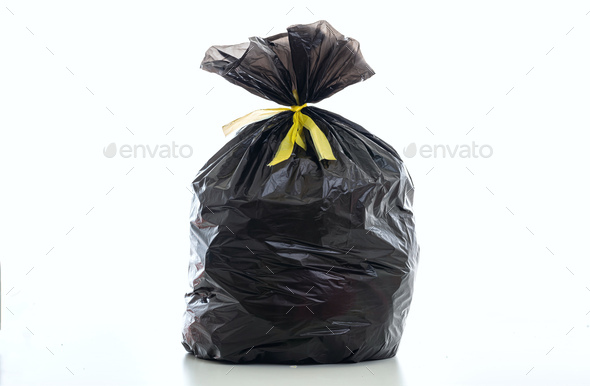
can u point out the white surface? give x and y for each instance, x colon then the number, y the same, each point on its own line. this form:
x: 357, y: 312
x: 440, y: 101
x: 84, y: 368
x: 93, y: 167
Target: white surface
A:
x: 495, y: 303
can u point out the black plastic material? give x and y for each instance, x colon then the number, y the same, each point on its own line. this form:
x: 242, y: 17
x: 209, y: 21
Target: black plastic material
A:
x: 306, y: 261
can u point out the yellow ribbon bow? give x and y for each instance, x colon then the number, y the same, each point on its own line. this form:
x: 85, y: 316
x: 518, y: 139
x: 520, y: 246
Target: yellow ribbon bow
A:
x: 295, y: 134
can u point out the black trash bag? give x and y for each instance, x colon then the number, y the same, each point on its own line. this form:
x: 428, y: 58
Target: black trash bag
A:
x: 309, y: 260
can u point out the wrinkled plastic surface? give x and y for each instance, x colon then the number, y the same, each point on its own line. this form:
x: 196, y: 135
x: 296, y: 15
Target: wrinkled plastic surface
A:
x: 306, y: 261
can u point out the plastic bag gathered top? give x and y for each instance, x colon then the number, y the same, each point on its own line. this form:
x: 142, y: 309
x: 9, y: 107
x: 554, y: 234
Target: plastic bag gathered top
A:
x: 309, y: 260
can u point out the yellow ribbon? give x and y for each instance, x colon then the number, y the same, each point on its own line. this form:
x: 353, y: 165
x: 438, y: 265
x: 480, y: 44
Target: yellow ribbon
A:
x: 294, y: 135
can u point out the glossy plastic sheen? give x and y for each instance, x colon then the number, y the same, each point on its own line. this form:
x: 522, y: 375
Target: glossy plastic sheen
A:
x: 306, y: 261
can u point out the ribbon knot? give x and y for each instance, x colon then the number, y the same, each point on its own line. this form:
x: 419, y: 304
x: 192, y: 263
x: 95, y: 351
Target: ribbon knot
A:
x: 298, y: 108
x: 294, y: 135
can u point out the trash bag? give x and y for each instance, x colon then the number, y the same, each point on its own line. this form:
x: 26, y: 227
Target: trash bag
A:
x: 312, y: 259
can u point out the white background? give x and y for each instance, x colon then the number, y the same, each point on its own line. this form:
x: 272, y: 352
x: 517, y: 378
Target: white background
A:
x: 502, y: 295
